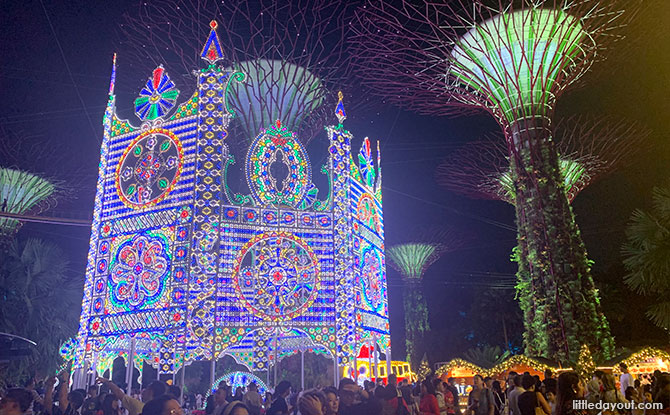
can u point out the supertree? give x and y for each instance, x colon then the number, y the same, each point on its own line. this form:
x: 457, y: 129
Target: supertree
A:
x: 21, y: 192
x: 512, y: 59
x: 588, y: 149
x: 291, y: 53
x: 411, y: 260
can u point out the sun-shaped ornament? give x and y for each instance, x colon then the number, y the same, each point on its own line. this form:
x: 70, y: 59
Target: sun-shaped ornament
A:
x: 157, y: 97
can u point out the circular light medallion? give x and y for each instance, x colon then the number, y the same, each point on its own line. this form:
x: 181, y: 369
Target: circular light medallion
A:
x: 149, y: 168
x: 276, y: 275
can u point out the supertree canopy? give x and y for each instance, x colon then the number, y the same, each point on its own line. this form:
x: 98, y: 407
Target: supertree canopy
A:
x: 588, y: 150
x: 291, y: 53
x: 21, y: 192
x: 412, y: 260
x: 275, y: 90
x: 513, y: 60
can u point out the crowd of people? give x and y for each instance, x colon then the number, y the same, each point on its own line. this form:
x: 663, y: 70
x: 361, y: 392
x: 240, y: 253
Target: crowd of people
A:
x: 518, y: 394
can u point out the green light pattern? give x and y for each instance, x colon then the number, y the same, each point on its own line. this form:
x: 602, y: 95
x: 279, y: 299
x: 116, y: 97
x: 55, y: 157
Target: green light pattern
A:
x: 514, y: 59
x: 572, y: 173
x: 22, y: 191
x: 412, y: 259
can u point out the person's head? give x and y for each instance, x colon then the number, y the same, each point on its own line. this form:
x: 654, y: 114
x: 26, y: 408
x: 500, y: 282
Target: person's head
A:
x: 517, y: 381
x: 253, y: 387
x: 599, y: 374
x: 235, y: 408
x: 316, y: 397
x: 110, y: 405
x: 570, y: 388
x: 478, y: 381
x: 608, y: 382
x: 332, y: 401
x: 392, y: 380
x: 220, y: 395
x: 154, y: 390
x: 368, y: 386
x: 174, y: 390
x: 550, y: 389
x: 76, y: 398
x: 657, y: 374
x: 239, y: 391
x: 162, y: 405
x: 350, y: 392
x: 495, y: 385
x: 283, y: 389
x: 637, y: 383
x: 93, y: 391
x: 548, y: 374
x: 16, y: 401
x: 623, y: 367
x: 488, y: 381
x: 427, y: 387
x: 528, y: 382
x: 451, y: 381
x: 437, y: 385
x: 510, y: 377
x: 631, y: 393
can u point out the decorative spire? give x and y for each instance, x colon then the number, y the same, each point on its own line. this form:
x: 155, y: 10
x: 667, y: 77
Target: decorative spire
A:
x: 112, y: 79
x: 212, y: 51
x: 339, y: 109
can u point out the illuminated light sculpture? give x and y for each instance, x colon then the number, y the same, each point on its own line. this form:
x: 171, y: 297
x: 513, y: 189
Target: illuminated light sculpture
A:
x: 182, y: 269
x: 412, y: 260
x: 290, y: 60
x: 21, y: 192
x: 588, y: 150
x: 513, y: 60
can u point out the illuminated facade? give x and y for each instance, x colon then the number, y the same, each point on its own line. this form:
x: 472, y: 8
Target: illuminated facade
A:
x: 182, y: 267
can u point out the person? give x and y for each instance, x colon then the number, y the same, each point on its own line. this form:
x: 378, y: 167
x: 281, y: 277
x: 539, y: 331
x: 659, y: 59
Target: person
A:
x: 133, y: 405
x: 356, y: 401
x: 439, y: 395
x: 610, y: 393
x: 210, y: 404
x: 499, y: 398
x: 531, y: 398
x: 253, y: 400
x: 162, y: 405
x: 267, y: 401
x: 428, y: 404
x: 312, y: 402
x: 332, y: 401
x: 550, y: 394
x: 16, y: 401
x: 220, y: 398
x: 92, y: 402
x: 110, y: 405
x: 37, y: 404
x: 513, y: 395
x: 570, y: 388
x: 239, y: 394
x: 451, y: 385
x: 235, y: 408
x: 392, y: 400
x: 510, y: 382
x: 594, y: 387
x: 632, y: 396
x: 480, y: 400
x: 279, y: 405
x: 625, y: 380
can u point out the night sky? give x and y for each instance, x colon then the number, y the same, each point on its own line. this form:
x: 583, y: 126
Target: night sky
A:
x: 54, y: 75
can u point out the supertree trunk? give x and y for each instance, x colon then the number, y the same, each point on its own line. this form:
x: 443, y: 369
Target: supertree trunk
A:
x: 416, y: 322
x: 564, y: 310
